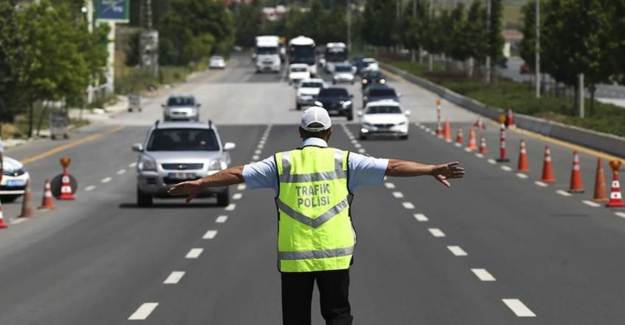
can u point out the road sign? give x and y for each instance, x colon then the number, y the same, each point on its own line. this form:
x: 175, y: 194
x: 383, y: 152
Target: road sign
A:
x: 113, y: 10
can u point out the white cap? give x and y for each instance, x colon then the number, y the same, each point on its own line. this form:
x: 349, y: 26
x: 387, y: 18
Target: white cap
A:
x: 316, y: 115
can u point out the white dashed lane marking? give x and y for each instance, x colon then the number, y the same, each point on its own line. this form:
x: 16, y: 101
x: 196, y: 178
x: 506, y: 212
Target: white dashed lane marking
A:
x: 492, y: 161
x: 237, y: 196
x: 389, y: 185
x: 257, y: 152
x: 563, y: 193
x: 521, y: 175
x: 421, y: 217
x: 591, y: 203
x: 541, y: 184
x: 89, y: 188
x: 398, y: 195
x: 361, y: 150
x: 457, y: 250
x: 479, y: 155
x: 357, y: 145
x: 506, y: 168
x: 18, y: 221
x: 230, y: 207
x: 518, y: 307
x: 106, y: 180
x: 210, y: 234
x: 174, y: 277
x: 436, y: 232
x: 121, y: 172
x: 255, y: 157
x: 194, y: 253
x: 241, y: 187
x: 620, y: 214
x: 483, y: 275
x: 132, y: 165
x: 144, y: 311
x: 408, y: 205
x: 221, y: 219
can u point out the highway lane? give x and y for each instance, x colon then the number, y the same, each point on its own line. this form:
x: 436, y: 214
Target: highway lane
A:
x: 100, y: 259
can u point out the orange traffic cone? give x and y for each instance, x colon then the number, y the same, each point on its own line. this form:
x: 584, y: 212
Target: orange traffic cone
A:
x: 502, y: 145
x: 2, y: 224
x: 459, y: 137
x: 479, y: 124
x: 66, y: 188
x: 27, y: 202
x: 523, y: 165
x: 510, y: 119
x: 616, y: 200
x: 447, y: 131
x: 548, y: 176
x: 600, y: 194
x: 47, y: 202
x: 472, y: 145
x: 577, y: 185
x: 483, y: 149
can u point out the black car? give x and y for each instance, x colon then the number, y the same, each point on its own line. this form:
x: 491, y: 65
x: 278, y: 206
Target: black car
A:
x: 337, y: 101
x: 379, y: 92
x: 372, y: 78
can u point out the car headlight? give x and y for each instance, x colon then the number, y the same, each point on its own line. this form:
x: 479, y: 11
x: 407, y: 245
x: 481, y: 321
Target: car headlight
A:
x: 346, y: 103
x: 217, y: 165
x: 382, y: 81
x: 147, y: 164
x: 364, y: 81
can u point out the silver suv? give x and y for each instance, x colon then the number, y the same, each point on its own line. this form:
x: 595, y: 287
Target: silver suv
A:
x: 181, y: 108
x: 174, y: 152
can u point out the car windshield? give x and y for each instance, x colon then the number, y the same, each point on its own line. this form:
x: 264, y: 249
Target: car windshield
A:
x: 266, y: 50
x: 217, y: 58
x: 383, y: 110
x: 183, y: 140
x: 311, y: 84
x: 180, y: 101
x: 343, y: 68
x: 333, y: 92
x: 382, y: 92
x: 298, y: 69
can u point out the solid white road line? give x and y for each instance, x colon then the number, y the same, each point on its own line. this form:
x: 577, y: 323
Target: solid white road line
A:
x: 221, y: 219
x: 132, y: 165
x: 210, y: 234
x: 408, y: 205
x: 591, y: 203
x: 457, y: 250
x: 491, y: 161
x: 620, y: 214
x: 563, y: 193
x: 541, y: 184
x: 194, y: 253
x: 143, y: 311
x: 521, y: 175
x: 237, y: 196
x: 421, y: 217
x: 174, y: 277
x: 436, y: 232
x: 506, y: 168
x: 230, y: 207
x: 398, y: 195
x: 483, y: 275
x: 106, y: 180
x: 121, y: 172
x: 389, y: 185
x: 518, y: 307
x: 89, y: 188
x: 241, y: 187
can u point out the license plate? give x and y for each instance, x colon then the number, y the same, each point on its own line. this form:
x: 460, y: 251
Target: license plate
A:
x: 182, y: 176
x: 15, y: 182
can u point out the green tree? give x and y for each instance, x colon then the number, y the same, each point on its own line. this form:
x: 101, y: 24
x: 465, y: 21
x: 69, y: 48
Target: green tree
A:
x: 494, y: 39
x: 10, y: 54
x: 377, y: 30
x: 249, y: 21
x: 528, y: 44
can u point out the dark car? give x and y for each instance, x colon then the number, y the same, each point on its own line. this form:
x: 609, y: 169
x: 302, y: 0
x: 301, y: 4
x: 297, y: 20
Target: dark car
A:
x: 337, y: 101
x: 372, y: 78
x: 379, y: 92
x: 359, y: 64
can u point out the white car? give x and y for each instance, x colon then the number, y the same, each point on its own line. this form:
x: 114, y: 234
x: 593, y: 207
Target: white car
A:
x: 371, y: 64
x: 14, y: 180
x: 343, y: 72
x: 298, y: 72
x: 384, y: 117
x: 217, y: 62
x: 307, y: 92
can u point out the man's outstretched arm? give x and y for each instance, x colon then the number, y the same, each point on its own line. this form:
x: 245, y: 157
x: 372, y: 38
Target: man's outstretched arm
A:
x: 229, y: 176
x: 442, y: 172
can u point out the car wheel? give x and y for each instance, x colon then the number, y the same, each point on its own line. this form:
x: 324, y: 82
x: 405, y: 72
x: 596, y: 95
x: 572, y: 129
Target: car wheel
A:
x: 363, y: 137
x: 350, y: 117
x: 298, y: 107
x: 223, y: 198
x: 143, y: 199
x: 9, y: 198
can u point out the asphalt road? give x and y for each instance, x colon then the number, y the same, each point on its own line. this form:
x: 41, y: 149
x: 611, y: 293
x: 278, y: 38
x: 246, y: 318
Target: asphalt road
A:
x: 492, y: 249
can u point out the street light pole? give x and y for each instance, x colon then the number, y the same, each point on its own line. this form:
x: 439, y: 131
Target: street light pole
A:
x: 537, y: 50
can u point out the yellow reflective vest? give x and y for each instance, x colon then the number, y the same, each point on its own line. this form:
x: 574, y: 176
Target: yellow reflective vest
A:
x: 315, y: 231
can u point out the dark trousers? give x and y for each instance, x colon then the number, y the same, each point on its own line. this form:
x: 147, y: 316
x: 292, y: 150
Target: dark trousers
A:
x: 297, y: 289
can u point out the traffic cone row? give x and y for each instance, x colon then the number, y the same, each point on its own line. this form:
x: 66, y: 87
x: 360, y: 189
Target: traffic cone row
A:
x: 483, y: 149
x: 47, y: 202
x: 523, y: 165
x: 502, y: 145
x: 576, y: 186
x: 460, y: 137
x: 616, y: 199
x: 472, y: 145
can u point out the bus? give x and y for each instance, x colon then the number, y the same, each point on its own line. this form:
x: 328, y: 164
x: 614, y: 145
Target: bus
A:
x: 302, y: 49
x: 335, y: 52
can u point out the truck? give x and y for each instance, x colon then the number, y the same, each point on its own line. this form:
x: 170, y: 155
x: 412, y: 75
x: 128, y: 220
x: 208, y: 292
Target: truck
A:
x: 303, y: 49
x: 335, y: 53
x: 267, y: 54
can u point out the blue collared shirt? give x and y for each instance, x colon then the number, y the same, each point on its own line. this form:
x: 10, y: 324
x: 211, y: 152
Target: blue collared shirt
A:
x: 363, y: 170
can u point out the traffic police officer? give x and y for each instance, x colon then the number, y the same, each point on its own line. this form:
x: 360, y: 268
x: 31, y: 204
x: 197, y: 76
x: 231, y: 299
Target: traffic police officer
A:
x: 314, y: 186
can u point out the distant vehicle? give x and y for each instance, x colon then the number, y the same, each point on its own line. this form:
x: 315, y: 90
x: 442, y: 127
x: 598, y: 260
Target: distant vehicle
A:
x: 14, y: 180
x: 335, y: 53
x: 384, y: 118
x: 174, y: 152
x: 343, y: 72
x: 359, y: 64
x: 134, y: 103
x: 181, y: 108
x: 298, y: 72
x: 525, y: 69
x: 307, y: 92
x: 379, y: 92
x: 302, y: 49
x: 337, y: 101
x: 371, y: 78
x: 370, y: 64
x: 267, y: 54
x: 217, y: 62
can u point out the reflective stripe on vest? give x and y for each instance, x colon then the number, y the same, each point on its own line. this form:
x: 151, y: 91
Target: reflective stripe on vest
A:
x: 315, y: 231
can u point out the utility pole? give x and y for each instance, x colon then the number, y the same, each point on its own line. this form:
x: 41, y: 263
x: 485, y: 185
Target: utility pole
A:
x: 349, y: 26
x: 488, y: 27
x: 431, y: 15
x: 537, y: 50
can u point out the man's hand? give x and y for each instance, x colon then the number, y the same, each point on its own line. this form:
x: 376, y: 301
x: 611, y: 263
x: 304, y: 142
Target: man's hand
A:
x: 191, y: 188
x: 447, y: 171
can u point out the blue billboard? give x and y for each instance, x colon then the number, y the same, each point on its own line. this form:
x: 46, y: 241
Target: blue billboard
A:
x: 113, y: 10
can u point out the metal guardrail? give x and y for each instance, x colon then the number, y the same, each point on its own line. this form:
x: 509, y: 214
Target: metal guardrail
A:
x: 607, y: 143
